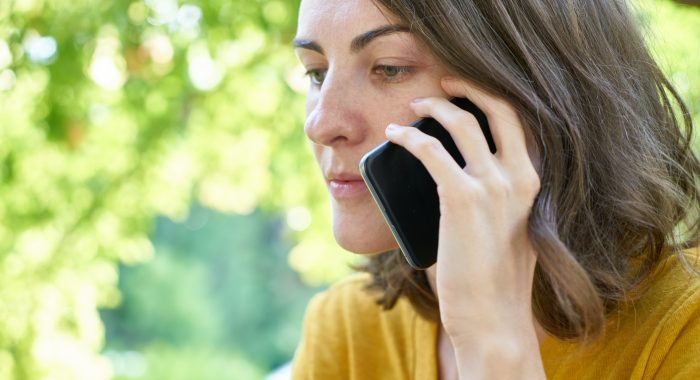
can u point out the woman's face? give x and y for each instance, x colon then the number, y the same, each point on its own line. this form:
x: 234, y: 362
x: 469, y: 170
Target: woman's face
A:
x: 364, y: 69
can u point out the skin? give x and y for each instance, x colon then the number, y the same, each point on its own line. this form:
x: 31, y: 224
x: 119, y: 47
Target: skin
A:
x: 360, y: 97
x: 347, y: 115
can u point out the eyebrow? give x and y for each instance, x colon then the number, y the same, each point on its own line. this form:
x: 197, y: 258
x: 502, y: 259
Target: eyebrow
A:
x: 358, y: 43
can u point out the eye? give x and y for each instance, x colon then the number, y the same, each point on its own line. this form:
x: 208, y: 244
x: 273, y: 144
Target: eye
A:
x: 392, y: 73
x: 316, y: 76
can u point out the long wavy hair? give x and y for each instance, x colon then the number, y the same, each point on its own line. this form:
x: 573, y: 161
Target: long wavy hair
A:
x: 618, y: 175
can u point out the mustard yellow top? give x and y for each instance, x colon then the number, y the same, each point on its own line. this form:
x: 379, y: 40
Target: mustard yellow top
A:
x: 346, y: 335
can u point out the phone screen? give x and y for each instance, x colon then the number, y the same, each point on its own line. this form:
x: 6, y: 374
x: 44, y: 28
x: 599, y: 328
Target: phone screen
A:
x: 406, y: 193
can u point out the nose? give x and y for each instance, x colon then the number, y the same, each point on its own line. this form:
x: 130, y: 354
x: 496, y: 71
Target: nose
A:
x: 334, y: 113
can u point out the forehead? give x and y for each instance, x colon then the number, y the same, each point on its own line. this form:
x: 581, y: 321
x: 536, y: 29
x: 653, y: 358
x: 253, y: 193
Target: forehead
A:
x: 333, y: 20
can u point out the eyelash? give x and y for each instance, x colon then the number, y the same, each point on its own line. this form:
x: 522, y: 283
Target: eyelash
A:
x: 401, y: 72
x: 311, y: 72
x: 380, y: 70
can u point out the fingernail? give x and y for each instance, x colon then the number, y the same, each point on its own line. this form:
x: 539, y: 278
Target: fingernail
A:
x: 392, y: 129
x: 417, y: 100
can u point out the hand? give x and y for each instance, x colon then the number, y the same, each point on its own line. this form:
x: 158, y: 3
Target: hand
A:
x: 485, y: 263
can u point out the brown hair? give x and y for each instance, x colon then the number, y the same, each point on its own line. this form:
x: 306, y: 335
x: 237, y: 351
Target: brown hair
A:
x: 618, y: 173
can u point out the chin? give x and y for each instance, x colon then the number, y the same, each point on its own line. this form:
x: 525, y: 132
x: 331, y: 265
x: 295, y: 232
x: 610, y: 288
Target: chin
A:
x: 368, y: 235
x: 368, y: 245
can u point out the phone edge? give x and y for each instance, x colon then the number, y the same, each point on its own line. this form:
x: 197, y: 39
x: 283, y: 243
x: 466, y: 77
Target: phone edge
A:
x: 377, y: 200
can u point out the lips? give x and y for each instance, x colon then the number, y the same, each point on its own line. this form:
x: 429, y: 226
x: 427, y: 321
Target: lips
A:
x: 346, y: 185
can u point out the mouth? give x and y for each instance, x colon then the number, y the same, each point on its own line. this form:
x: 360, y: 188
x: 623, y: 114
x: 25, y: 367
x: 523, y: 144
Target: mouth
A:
x: 346, y: 186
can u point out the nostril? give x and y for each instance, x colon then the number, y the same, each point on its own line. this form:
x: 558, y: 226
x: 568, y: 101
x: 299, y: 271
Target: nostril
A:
x: 338, y: 139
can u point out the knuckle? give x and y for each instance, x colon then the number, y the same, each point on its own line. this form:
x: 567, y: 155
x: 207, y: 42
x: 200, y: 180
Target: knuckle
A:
x: 467, y: 118
x: 534, y: 184
x: 427, y: 146
x: 529, y: 183
x: 407, y: 135
x: 462, y: 119
x: 462, y: 194
x: 497, y: 186
x: 468, y: 191
x: 429, y: 103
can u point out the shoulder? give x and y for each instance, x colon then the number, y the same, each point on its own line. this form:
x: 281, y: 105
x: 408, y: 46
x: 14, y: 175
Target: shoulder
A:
x: 348, y: 294
x: 349, y: 306
x: 673, y: 296
x: 347, y: 334
x: 674, y: 286
x: 668, y: 316
x: 667, y: 303
x: 657, y: 335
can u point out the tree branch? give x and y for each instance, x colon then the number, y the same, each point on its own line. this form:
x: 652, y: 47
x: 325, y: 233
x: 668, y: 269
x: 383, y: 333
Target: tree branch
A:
x: 695, y: 3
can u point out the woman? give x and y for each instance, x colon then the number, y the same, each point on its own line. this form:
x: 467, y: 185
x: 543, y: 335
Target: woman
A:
x: 562, y: 254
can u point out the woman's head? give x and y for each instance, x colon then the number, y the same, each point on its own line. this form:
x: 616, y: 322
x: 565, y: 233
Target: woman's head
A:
x: 364, y: 70
x: 617, y: 172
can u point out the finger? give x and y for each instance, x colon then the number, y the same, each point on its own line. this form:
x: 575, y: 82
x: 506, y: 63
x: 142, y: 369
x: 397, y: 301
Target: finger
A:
x: 506, y: 128
x: 429, y: 151
x: 464, y: 129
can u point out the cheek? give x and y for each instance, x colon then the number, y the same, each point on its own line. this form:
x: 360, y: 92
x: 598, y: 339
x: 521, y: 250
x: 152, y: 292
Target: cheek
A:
x: 392, y: 108
x: 321, y: 154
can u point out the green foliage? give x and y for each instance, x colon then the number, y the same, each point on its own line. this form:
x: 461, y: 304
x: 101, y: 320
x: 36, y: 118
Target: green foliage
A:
x: 115, y: 112
x: 183, y: 363
x: 673, y: 32
x: 217, y: 282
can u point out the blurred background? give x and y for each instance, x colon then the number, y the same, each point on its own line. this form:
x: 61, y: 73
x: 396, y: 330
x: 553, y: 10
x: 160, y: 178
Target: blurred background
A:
x: 161, y: 215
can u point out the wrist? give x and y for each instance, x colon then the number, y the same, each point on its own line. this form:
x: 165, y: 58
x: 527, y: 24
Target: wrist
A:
x: 488, y: 359
x: 498, y: 356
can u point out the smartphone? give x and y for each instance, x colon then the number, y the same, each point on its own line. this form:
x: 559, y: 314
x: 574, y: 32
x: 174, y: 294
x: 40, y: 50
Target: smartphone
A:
x: 406, y: 193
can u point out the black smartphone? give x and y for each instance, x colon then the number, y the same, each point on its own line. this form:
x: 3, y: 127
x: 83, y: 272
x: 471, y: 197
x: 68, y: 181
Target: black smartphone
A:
x: 406, y: 193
